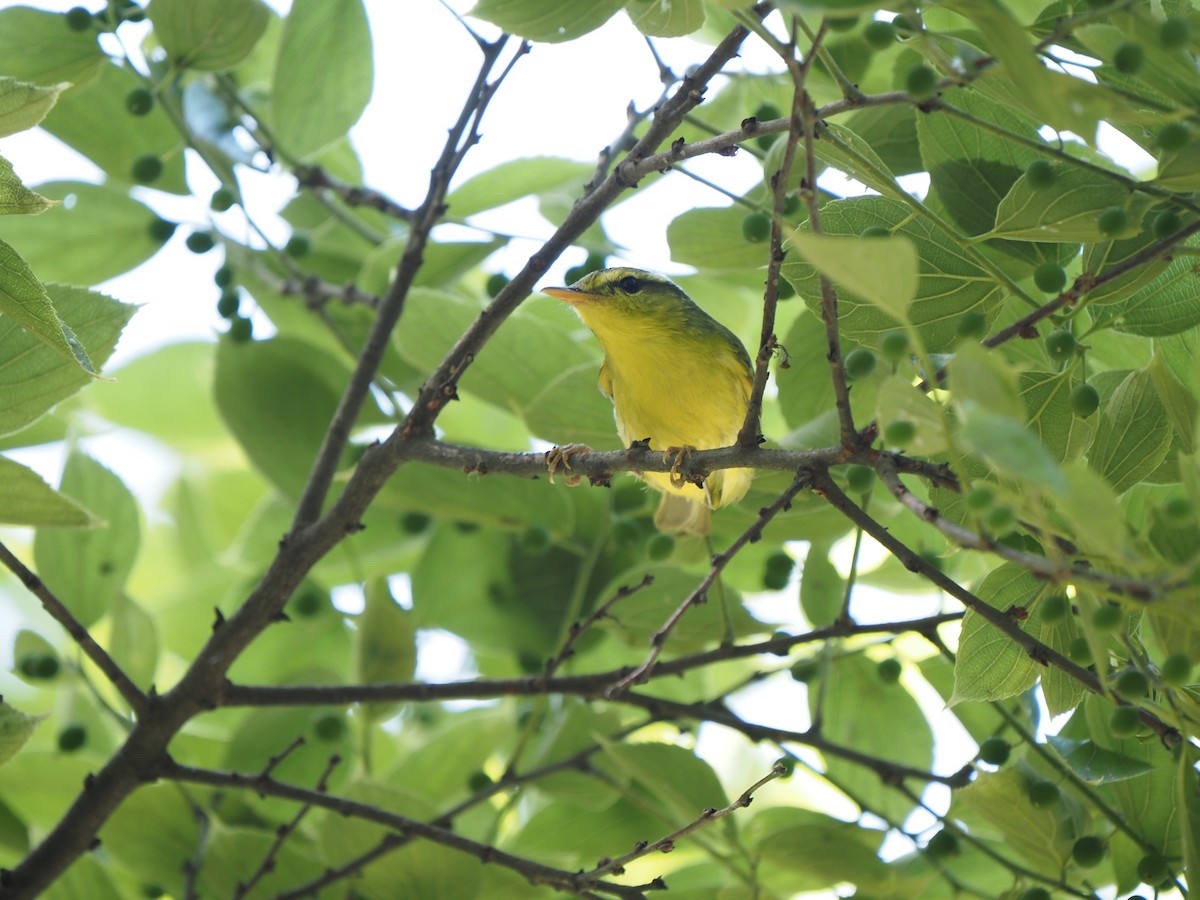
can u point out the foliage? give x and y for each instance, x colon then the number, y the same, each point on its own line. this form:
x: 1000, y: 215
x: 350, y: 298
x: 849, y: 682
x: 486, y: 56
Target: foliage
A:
x: 1018, y: 434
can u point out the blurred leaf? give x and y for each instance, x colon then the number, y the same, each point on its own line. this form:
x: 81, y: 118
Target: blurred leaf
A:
x: 980, y: 377
x: 385, y: 642
x: 682, y: 784
x: 108, y: 231
x: 153, y: 833
x: 665, y: 18
x: 814, y: 848
x: 1010, y: 447
x: 87, y: 568
x: 711, y: 240
x: 900, y: 400
x: 546, y: 20
x: 37, y: 46
x: 889, y: 281
x: 1094, y: 764
x: 210, y: 35
x: 325, y: 62
x: 94, y: 121
x: 513, y: 180
x: 232, y: 854
x: 134, y: 641
x: 822, y: 590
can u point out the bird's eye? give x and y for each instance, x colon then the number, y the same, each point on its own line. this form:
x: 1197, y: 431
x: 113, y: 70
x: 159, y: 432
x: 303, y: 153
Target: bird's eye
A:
x: 630, y: 284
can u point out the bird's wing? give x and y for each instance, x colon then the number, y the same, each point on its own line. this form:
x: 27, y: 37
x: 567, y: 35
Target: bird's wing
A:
x: 605, y: 381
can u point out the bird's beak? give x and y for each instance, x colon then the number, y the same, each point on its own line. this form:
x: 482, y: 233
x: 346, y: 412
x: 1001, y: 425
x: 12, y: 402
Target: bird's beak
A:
x: 566, y: 294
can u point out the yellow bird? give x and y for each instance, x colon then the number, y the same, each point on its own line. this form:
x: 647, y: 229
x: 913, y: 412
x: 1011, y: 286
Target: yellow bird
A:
x: 675, y: 376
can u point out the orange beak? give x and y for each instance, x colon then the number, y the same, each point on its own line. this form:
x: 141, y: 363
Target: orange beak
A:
x: 567, y: 294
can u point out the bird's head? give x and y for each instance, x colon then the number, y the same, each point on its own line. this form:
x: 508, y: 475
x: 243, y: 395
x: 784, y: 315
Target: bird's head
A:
x: 622, y: 291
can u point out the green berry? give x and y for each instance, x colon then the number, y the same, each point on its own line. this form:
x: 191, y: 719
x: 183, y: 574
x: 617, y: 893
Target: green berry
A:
x: 1107, y: 618
x: 139, y: 101
x: 535, y: 540
x: 146, y: 169
x: 999, y: 518
x: 899, y: 433
x: 875, y: 231
x: 44, y: 667
x: 1088, y: 851
x: 1132, y: 684
x: 228, y: 303
x: 200, y: 241
x: 780, y: 561
x: 894, y: 346
x: 879, y: 35
x: 1053, y: 609
x: 1177, y: 669
x: 160, y: 230
x: 1112, y: 221
x: 1173, y: 137
x: 980, y: 498
x: 1153, y: 868
x: 1040, y: 174
x: 1060, y: 345
x: 1165, y: 224
x: 1034, y: 893
x: 920, y: 82
x: 660, y: 546
x: 756, y: 227
x: 299, y: 245
x: 222, y: 199
x: 774, y: 581
x: 1043, y: 793
x: 72, y: 738
x: 1124, y: 722
x: 1080, y: 651
x: 496, y: 282
x: 1174, y: 32
x: 1050, y: 277
x: 971, y: 324
x: 860, y: 479
x: 1085, y: 400
x: 943, y: 844
x: 307, y: 601
x: 1128, y: 58
x: 804, y: 670
x: 791, y: 205
x: 223, y: 277
x: 860, y: 363
x: 479, y: 782
x: 415, y: 522
x: 530, y: 663
x: 767, y: 112
x: 889, y: 670
x: 329, y: 727
x: 78, y: 18
x: 995, y: 751
x: 240, y: 330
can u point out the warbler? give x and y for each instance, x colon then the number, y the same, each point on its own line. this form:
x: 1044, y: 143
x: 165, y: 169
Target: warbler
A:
x: 675, y: 376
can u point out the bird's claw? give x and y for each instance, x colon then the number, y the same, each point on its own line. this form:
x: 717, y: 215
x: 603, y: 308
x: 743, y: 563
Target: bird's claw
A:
x: 679, y: 455
x: 561, y: 456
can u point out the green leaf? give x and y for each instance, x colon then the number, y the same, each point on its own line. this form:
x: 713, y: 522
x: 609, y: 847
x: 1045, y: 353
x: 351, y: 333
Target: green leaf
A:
x: 1187, y: 799
x: 1134, y: 434
x: 15, y: 730
x: 134, y: 644
x: 1161, y: 308
x: 1068, y: 210
x: 324, y: 63
x: 978, y: 376
x: 710, y: 239
x: 665, y: 18
x: 950, y: 282
x: 152, y: 833
x: 15, y: 198
x: 278, y: 398
x: 1179, y: 403
x: 899, y: 399
x: 683, y: 784
x: 94, y: 121
x: 108, y: 232
x: 38, y: 47
x: 849, y: 153
x: 822, y: 590
x: 33, y: 377
x: 1103, y: 255
x: 889, y: 280
x: 856, y: 706
x: 989, y: 666
x: 1093, y: 763
x: 546, y: 20
x: 24, y: 299
x: 1010, y: 447
x: 210, y: 35
x: 1047, y: 401
x: 385, y: 642
x: 233, y: 853
x: 87, y: 568
x: 23, y: 105
x: 1093, y: 511
x: 816, y: 850
x: 513, y: 180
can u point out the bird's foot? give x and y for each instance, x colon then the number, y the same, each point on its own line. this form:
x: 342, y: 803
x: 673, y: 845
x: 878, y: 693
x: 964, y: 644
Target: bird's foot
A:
x: 561, y: 456
x: 679, y: 455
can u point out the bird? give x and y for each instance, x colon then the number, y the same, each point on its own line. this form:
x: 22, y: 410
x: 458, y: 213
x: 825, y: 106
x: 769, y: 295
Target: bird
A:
x: 676, y: 377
